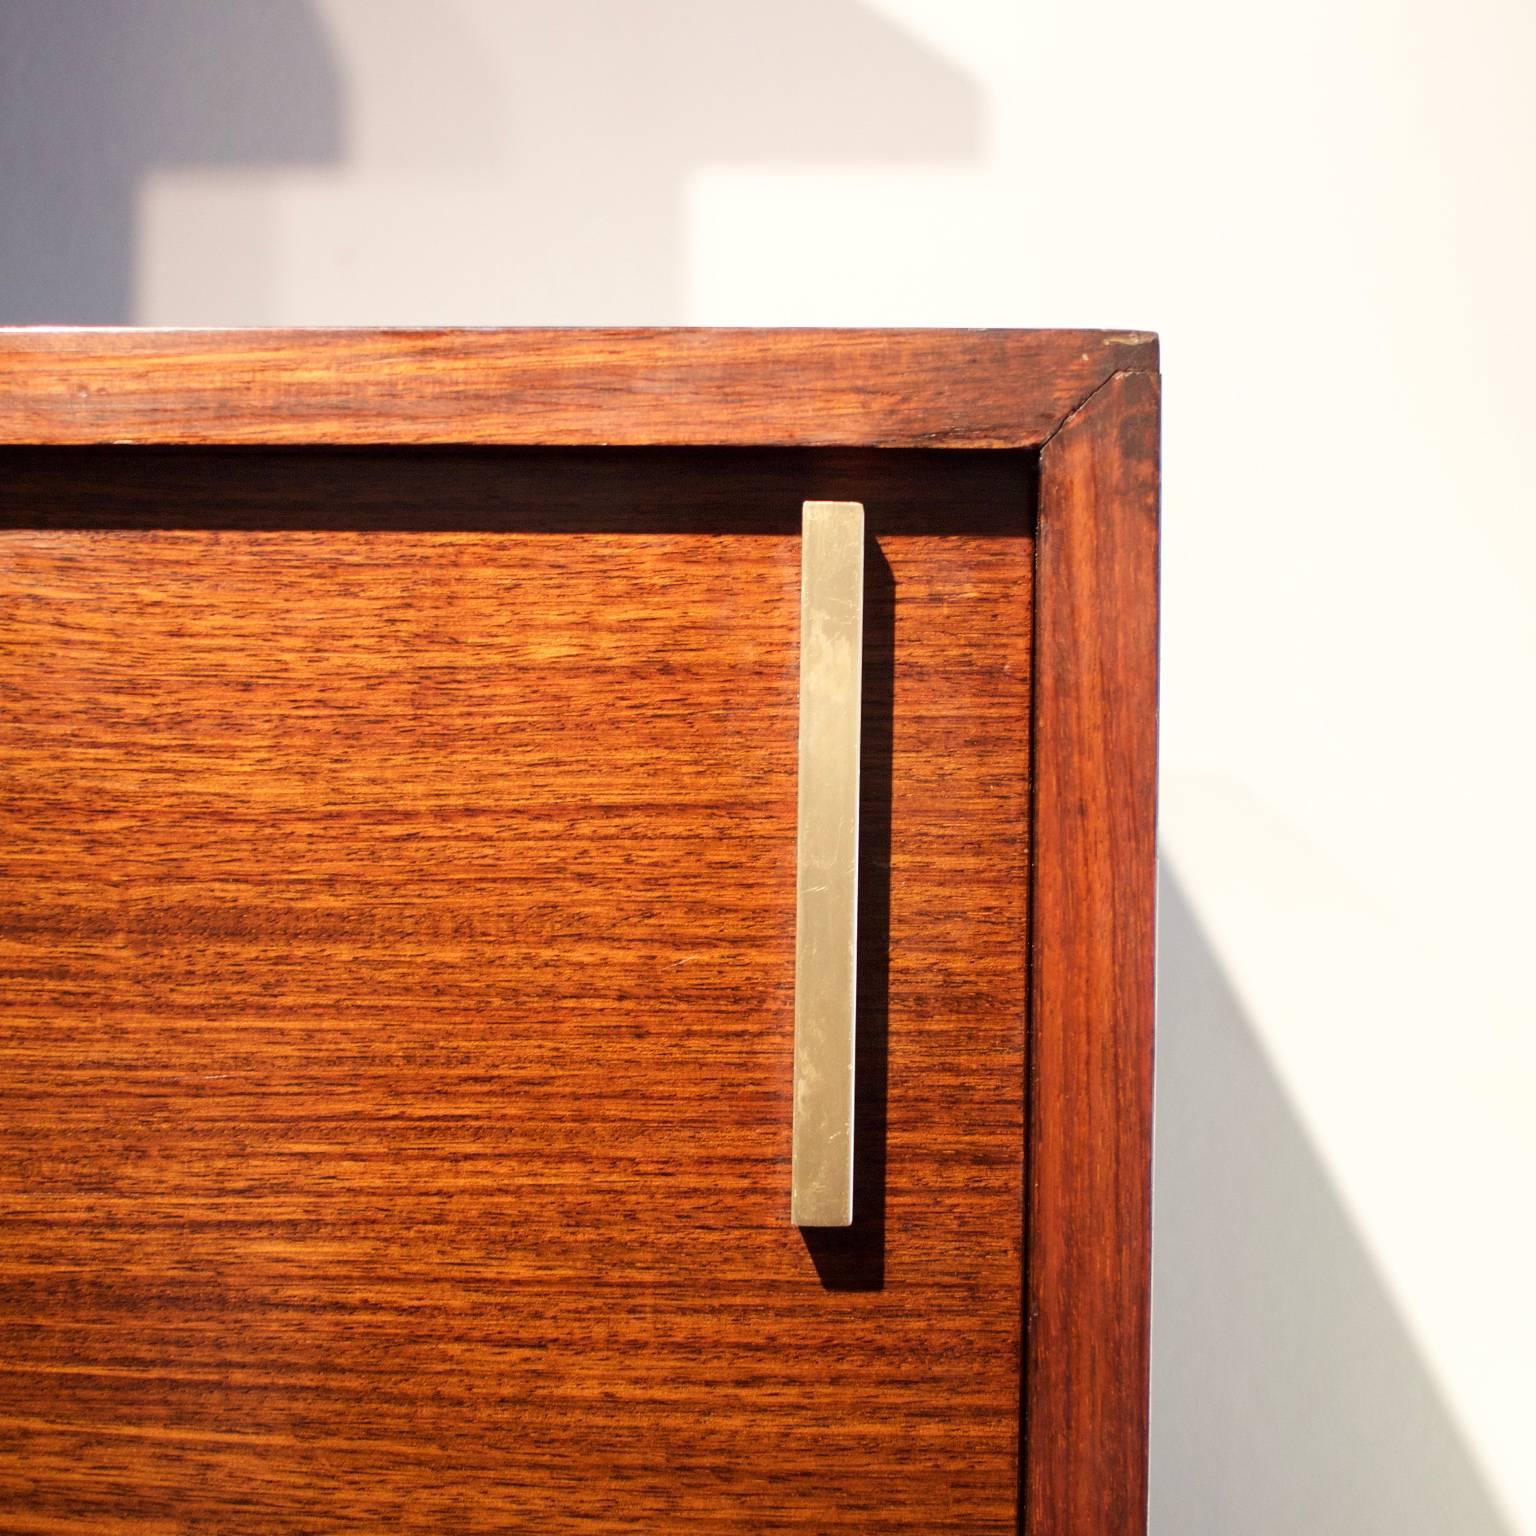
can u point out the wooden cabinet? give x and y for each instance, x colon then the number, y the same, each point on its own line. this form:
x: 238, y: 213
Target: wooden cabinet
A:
x: 397, y: 917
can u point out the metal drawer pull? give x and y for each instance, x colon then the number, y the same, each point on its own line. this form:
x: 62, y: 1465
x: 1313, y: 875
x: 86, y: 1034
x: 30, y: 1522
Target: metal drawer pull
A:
x: 827, y: 872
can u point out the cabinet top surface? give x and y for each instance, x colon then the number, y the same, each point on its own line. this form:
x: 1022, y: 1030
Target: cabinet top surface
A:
x: 79, y: 386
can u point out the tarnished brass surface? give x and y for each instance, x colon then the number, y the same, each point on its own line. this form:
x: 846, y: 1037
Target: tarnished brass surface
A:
x: 827, y: 883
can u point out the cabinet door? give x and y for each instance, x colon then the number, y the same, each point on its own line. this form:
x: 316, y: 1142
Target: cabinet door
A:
x: 397, y: 904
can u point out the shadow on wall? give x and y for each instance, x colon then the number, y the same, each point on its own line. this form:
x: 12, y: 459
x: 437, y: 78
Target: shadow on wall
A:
x: 628, y: 99
x: 1287, y: 1394
x: 503, y: 163
x: 94, y: 94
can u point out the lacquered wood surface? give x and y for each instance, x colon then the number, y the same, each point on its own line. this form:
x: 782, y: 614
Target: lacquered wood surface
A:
x: 397, y: 917
x: 928, y: 388
x: 1093, y: 924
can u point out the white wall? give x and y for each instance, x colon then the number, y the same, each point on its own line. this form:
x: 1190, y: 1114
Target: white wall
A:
x: 1327, y: 210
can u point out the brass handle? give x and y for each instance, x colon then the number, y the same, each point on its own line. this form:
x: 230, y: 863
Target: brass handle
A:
x: 827, y: 876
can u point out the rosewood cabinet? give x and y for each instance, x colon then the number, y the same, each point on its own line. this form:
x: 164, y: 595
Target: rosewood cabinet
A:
x: 398, y: 773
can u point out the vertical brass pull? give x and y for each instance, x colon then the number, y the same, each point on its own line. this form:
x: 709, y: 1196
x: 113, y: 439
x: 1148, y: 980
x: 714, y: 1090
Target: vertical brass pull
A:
x: 827, y: 876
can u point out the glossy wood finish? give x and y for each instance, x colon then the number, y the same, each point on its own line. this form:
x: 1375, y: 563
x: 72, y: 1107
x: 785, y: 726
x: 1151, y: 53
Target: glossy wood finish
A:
x: 1091, y: 1023
x: 397, y: 886
x: 965, y: 389
x: 1090, y: 398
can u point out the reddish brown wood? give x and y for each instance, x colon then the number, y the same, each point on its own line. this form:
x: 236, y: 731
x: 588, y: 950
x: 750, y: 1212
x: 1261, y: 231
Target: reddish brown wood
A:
x: 268, y: 728
x: 1095, y: 756
x: 968, y: 389
x: 396, y: 913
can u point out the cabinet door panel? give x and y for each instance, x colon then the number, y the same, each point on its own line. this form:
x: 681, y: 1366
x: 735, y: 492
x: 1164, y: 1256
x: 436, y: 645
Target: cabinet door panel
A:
x: 397, y: 866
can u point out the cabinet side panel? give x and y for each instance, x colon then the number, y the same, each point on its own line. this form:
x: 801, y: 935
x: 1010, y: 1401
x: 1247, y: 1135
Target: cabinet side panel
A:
x: 1092, y: 984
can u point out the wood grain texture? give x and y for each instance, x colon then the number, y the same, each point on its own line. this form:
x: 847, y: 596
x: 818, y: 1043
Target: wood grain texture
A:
x: 966, y: 389
x: 1095, y: 757
x: 397, y: 924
